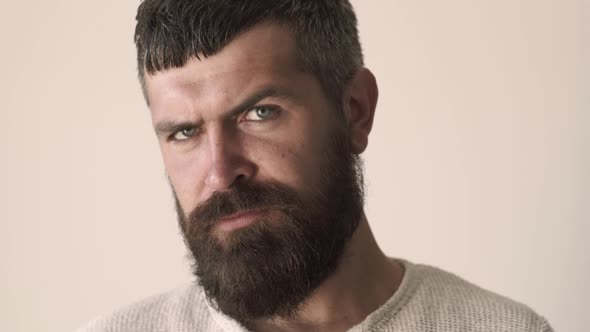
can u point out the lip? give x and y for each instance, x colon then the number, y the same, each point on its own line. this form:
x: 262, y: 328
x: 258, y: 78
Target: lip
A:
x: 239, y: 220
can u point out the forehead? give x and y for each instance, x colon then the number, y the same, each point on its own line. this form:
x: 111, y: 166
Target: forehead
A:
x: 261, y: 55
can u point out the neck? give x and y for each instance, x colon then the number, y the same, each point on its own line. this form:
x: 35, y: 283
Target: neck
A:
x: 365, y: 280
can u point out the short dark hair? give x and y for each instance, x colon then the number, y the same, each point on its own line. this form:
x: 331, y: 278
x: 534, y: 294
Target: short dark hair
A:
x: 169, y: 32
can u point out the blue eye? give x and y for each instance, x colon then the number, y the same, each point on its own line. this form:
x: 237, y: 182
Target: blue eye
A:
x: 259, y: 113
x: 184, y: 134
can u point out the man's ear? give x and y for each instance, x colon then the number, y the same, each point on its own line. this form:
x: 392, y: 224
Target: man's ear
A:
x: 360, y: 101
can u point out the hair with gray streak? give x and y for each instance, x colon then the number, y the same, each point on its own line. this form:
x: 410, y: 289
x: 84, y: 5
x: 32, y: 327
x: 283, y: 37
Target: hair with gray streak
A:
x: 169, y: 32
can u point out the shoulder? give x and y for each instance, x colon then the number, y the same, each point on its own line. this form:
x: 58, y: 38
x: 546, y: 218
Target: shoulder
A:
x: 182, y: 309
x: 445, y: 300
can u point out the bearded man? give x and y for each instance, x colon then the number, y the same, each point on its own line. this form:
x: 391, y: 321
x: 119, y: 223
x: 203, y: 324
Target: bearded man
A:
x: 262, y: 109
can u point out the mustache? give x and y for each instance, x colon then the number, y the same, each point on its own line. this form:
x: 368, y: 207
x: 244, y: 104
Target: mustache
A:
x: 242, y: 197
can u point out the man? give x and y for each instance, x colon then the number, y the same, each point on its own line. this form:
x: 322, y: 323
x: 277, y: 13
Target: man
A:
x: 262, y: 109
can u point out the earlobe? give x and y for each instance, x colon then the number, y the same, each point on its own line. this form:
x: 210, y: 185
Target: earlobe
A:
x: 360, y: 104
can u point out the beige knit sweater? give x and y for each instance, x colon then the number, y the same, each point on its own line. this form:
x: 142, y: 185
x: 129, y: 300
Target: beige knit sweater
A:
x: 428, y: 300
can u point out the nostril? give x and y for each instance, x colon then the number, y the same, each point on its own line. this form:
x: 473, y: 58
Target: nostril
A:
x: 240, y: 178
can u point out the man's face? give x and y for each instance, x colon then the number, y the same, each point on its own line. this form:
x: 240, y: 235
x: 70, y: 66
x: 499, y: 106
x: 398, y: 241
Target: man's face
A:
x: 267, y: 189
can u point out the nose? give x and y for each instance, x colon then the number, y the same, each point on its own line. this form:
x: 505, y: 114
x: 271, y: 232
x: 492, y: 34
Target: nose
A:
x: 228, y: 164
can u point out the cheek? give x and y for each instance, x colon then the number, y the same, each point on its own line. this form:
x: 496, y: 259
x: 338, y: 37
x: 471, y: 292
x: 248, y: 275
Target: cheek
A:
x: 186, y: 175
x: 291, y: 161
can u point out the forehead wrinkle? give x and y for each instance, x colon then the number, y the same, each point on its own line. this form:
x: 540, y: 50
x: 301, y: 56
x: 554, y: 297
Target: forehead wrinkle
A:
x: 195, y: 113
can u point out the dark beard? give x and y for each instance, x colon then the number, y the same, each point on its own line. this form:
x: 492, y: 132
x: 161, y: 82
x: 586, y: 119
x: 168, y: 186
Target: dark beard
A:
x: 269, y: 268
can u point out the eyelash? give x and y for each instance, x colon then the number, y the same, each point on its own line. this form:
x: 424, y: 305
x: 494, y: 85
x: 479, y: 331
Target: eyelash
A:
x: 274, y: 112
x: 172, y: 136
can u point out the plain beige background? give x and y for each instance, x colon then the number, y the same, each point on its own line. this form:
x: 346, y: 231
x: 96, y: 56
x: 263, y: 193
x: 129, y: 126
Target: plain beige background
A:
x: 478, y: 163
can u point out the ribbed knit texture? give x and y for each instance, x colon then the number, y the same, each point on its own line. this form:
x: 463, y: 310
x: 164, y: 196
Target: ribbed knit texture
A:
x: 428, y: 300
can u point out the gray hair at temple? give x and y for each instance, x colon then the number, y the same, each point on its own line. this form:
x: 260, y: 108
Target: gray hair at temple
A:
x: 169, y: 32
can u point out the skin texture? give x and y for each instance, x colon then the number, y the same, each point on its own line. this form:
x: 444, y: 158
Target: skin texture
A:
x: 228, y: 148
x: 225, y: 141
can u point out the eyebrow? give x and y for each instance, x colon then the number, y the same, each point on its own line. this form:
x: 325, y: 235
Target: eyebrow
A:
x: 271, y: 91
x: 166, y: 127
x: 171, y: 126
